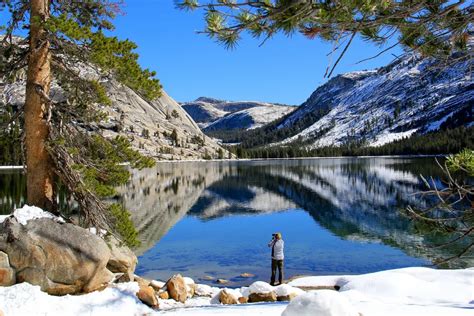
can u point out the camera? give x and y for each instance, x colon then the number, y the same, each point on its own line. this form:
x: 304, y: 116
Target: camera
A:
x: 274, y: 235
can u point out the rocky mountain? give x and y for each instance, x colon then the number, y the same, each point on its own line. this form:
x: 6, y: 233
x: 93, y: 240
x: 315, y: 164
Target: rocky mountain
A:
x: 219, y: 115
x: 147, y: 124
x: 410, y: 95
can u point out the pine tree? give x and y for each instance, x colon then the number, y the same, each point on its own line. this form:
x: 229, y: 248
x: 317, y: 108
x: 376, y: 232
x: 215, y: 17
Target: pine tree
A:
x: 433, y: 28
x: 63, y: 38
x: 174, y: 137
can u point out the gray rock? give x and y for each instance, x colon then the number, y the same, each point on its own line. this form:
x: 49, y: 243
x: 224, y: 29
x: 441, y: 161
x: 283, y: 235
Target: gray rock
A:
x: 60, y: 258
x: 122, y: 259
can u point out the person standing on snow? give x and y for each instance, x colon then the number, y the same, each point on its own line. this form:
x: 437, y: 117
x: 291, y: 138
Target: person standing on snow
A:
x: 277, y: 244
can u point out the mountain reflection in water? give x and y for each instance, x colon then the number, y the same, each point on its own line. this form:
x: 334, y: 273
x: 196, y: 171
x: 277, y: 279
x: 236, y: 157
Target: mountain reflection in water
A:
x: 340, y: 215
x: 359, y: 201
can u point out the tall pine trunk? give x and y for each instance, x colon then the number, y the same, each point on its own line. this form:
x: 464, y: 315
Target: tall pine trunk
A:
x: 39, y: 174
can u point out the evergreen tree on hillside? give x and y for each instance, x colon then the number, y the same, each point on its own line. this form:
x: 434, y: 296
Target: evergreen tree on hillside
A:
x: 66, y: 43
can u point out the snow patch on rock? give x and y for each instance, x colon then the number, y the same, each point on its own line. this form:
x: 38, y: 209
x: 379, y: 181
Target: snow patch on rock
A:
x: 260, y: 287
x: 287, y: 290
x: 26, y: 213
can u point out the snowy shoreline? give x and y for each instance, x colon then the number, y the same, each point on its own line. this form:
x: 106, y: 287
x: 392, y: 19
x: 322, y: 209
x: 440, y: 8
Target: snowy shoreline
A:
x: 410, y: 291
x: 407, y: 291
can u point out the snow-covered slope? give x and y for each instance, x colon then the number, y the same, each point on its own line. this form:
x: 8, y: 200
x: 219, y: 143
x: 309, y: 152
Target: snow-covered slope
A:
x: 250, y: 118
x: 409, y: 95
x: 212, y: 114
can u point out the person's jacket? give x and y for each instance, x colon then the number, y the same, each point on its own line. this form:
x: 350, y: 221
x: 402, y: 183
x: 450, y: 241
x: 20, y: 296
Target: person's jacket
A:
x: 277, y: 246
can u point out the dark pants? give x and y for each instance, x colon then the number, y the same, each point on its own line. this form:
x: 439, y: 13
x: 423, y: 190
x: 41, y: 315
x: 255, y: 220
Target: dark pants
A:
x: 277, y: 264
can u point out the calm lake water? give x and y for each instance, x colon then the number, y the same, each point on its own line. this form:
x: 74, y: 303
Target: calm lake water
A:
x: 337, y: 216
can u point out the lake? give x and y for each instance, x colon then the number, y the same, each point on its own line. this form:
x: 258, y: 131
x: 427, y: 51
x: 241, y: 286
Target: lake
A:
x: 210, y: 220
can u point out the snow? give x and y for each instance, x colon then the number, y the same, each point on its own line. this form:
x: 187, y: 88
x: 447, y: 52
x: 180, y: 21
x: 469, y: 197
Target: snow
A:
x: 27, y: 299
x: 285, y: 290
x: 436, y: 125
x: 273, y: 309
x: 189, y: 286
x: 205, y: 290
x: 409, y: 292
x: 260, y: 287
x: 10, y: 167
x: 321, y: 303
x: 188, y: 281
x: 100, y: 232
x: 388, y: 137
x: 26, y: 213
x: 157, y: 284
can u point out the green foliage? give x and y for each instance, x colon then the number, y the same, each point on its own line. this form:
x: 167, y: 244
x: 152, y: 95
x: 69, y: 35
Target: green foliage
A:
x: 174, y: 137
x: 109, y: 53
x: 10, y: 138
x: 200, y: 141
x: 123, y: 225
x: 463, y: 161
x: 434, y: 143
x: 434, y: 28
x: 103, y: 163
x: 88, y: 165
x: 175, y: 114
x: 145, y: 133
x: 220, y: 153
x: 206, y: 155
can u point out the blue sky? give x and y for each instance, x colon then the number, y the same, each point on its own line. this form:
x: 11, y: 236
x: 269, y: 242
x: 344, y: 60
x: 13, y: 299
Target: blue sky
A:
x: 189, y: 65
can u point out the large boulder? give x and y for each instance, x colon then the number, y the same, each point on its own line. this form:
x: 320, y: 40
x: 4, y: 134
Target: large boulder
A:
x: 7, y: 273
x: 177, y: 289
x: 122, y: 259
x: 61, y: 258
x: 227, y: 298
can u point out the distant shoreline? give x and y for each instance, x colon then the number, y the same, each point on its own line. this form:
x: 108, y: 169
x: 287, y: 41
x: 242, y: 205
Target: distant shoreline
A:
x: 270, y: 159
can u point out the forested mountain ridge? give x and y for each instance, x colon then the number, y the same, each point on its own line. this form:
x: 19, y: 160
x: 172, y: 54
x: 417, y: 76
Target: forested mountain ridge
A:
x: 410, y: 95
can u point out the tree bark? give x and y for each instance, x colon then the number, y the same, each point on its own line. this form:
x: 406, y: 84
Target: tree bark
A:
x: 39, y: 170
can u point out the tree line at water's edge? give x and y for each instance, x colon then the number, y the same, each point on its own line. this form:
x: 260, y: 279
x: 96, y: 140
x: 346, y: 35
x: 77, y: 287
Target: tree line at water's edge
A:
x: 448, y: 141
x: 441, y: 142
